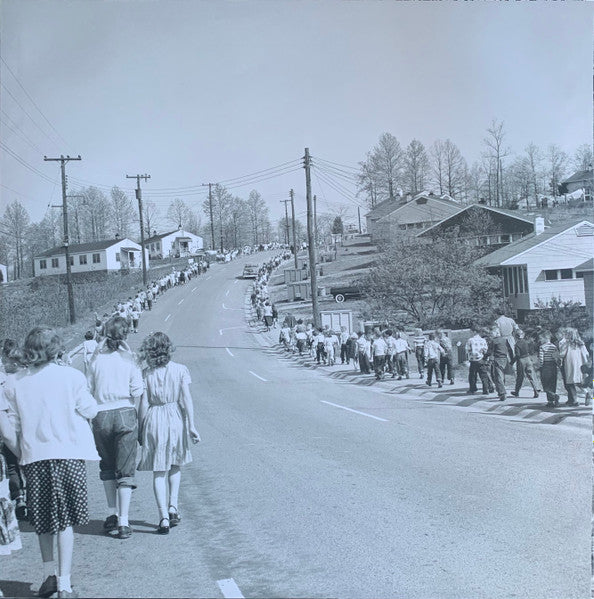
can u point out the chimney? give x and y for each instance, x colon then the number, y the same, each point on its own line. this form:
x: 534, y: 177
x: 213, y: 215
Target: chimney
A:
x: 117, y: 235
x: 154, y: 232
x: 179, y: 227
x: 539, y: 225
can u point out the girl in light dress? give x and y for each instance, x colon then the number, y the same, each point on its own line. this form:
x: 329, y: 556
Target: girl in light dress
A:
x: 166, y: 417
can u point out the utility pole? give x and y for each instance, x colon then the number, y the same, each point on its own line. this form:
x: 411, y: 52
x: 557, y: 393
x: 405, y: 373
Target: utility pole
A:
x: 310, y: 242
x: 359, y: 213
x: 139, y: 198
x: 315, y: 219
x: 286, y: 221
x: 63, y: 160
x: 294, y: 233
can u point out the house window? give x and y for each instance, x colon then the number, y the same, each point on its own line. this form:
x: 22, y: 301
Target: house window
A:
x: 158, y: 244
x: 579, y: 275
x: 525, y: 278
x: 551, y: 275
x: 506, y: 282
x: 55, y: 263
x: 515, y: 280
x: 71, y: 260
x: 96, y: 258
x: 117, y: 256
x: 504, y: 238
x: 82, y: 259
x: 43, y: 264
x: 566, y: 273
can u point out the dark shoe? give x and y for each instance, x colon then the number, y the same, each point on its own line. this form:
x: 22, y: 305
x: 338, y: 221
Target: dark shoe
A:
x: 110, y: 524
x: 21, y: 509
x: 470, y: 392
x: 487, y: 392
x: 439, y: 384
x: 49, y: 587
x: 163, y: 526
x: 65, y: 594
x: 400, y: 378
x: 572, y: 403
x: 492, y: 390
x: 502, y: 398
x: 174, y: 517
x: 550, y: 404
x: 451, y: 381
x: 124, y: 532
x: 516, y: 393
x: 535, y: 394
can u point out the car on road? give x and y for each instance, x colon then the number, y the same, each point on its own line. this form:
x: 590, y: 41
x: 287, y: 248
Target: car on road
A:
x: 345, y: 292
x: 250, y: 271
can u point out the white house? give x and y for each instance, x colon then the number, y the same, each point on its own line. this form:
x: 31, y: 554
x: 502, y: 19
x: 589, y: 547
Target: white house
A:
x: 3, y: 273
x: 175, y: 244
x: 544, y: 265
x: 108, y: 255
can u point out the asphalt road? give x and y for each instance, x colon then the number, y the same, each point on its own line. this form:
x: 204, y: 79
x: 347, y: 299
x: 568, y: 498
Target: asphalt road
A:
x: 304, y: 486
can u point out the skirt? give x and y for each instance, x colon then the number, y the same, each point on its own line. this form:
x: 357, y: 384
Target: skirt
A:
x: 56, y: 494
x: 165, y: 439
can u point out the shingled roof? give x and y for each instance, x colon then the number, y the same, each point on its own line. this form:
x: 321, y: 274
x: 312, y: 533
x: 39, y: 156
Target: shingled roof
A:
x: 81, y: 248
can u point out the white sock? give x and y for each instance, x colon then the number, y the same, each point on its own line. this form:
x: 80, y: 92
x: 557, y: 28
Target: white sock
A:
x: 123, y: 521
x: 49, y: 569
x: 64, y: 583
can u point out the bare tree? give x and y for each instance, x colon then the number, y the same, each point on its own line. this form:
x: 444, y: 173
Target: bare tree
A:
x: 497, y: 152
x: 258, y: 214
x: 381, y: 171
x: 178, y: 213
x: 151, y: 218
x: 534, y: 166
x: 557, y: 163
x: 15, y: 222
x: 582, y: 159
x: 93, y: 219
x: 416, y: 167
x: 121, y: 212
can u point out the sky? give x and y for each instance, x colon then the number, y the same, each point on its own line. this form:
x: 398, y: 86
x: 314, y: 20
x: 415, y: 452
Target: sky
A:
x: 193, y: 91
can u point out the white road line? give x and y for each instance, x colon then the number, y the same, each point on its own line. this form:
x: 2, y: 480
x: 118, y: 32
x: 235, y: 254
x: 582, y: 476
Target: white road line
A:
x: 355, y: 411
x: 227, y: 293
x: 229, y: 352
x: 229, y: 589
x: 208, y: 278
x: 234, y: 309
x: 229, y: 328
x: 257, y: 376
x: 167, y: 317
x: 235, y: 282
x: 194, y: 289
x: 180, y: 301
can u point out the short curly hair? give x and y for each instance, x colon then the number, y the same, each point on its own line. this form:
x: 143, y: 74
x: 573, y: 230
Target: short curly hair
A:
x: 156, y: 350
x: 42, y: 345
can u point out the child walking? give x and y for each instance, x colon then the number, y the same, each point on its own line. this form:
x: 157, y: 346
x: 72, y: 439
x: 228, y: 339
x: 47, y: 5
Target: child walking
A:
x: 166, y: 417
x: 49, y: 406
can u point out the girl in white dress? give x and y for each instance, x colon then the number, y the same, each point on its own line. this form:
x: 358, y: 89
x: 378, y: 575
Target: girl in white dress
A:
x: 166, y: 417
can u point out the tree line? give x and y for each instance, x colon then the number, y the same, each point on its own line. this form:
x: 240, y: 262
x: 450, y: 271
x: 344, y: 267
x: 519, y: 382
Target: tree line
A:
x: 499, y: 178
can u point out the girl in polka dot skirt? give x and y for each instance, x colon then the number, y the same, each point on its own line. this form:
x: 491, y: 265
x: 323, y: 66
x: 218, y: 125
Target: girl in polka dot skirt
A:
x: 48, y: 408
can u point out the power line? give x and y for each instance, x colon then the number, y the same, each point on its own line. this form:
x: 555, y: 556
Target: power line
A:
x: 23, y: 109
x: 336, y: 163
x: 33, y: 101
x: 25, y: 163
x: 12, y: 125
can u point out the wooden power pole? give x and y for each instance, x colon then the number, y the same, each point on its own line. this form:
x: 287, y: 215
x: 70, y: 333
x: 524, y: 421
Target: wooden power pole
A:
x: 310, y: 241
x: 294, y: 233
x: 139, y: 198
x: 63, y: 160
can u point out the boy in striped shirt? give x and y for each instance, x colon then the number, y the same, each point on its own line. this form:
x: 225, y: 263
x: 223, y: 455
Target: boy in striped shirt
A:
x: 548, y: 360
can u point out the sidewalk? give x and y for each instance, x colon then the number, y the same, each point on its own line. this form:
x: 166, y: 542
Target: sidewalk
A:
x: 524, y: 408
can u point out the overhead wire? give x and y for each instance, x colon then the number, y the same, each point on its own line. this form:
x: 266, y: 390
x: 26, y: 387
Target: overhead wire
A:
x: 24, y: 163
x: 33, y: 102
x: 14, y: 127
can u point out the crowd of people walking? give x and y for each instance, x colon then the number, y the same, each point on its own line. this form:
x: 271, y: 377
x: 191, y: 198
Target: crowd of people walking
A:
x: 53, y: 418
x: 489, y: 354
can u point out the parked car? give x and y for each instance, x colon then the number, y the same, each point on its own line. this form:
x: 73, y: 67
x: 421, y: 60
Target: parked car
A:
x: 345, y: 292
x: 250, y: 271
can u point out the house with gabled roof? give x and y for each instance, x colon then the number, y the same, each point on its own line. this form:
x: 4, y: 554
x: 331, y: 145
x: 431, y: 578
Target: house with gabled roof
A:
x: 173, y: 244
x: 543, y: 265
x: 580, y: 180
x: 397, y: 216
x: 108, y: 255
x: 484, y: 226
